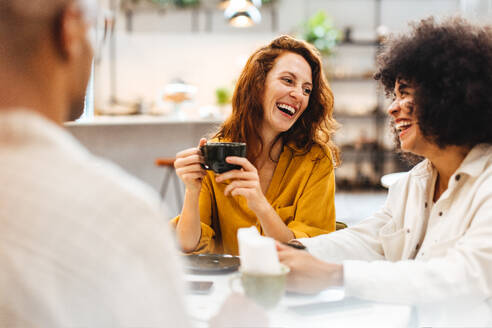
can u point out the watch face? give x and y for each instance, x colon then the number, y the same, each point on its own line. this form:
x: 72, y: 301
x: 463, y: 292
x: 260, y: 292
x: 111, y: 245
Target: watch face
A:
x: 211, y: 262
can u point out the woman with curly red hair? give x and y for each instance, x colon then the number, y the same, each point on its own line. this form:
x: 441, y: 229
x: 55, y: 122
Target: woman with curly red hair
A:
x: 282, y: 110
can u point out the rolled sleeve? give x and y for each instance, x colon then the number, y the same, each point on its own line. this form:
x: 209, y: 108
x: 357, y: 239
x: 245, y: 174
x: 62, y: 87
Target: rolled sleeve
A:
x: 207, y: 242
x: 464, y: 272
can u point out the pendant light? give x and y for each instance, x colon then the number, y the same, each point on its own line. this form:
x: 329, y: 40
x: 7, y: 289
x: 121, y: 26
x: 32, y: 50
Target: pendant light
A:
x: 243, y: 13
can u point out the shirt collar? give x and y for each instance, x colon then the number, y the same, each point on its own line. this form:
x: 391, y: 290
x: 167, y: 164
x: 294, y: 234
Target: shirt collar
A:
x: 292, y: 146
x: 473, y: 164
x: 476, y: 160
x: 19, y: 125
x: 423, y: 169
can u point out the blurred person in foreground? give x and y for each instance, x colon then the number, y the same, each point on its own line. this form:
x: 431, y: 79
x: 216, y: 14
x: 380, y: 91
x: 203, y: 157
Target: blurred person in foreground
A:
x: 430, y: 245
x: 82, y: 243
x: 282, y: 110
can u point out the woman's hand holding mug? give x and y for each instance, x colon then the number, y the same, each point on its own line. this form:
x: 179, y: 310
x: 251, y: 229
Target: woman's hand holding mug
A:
x: 188, y: 167
x: 244, y: 182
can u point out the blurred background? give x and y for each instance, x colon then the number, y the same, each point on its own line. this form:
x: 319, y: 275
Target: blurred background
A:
x: 165, y: 76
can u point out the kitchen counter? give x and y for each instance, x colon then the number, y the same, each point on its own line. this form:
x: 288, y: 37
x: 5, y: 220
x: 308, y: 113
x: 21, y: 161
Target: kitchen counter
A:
x: 137, y: 119
x: 134, y: 142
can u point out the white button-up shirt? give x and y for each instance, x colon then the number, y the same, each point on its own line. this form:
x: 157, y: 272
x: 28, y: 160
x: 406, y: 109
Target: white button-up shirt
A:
x: 415, y: 252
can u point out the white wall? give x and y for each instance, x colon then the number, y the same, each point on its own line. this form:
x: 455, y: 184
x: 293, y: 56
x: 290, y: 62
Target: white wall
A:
x: 162, y: 46
x: 146, y: 62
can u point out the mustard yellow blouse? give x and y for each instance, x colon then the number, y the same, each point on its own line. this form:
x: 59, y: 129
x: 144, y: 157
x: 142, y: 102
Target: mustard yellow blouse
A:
x: 302, y: 192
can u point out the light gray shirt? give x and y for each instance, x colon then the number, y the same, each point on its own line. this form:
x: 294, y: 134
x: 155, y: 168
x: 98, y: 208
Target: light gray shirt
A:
x: 82, y: 244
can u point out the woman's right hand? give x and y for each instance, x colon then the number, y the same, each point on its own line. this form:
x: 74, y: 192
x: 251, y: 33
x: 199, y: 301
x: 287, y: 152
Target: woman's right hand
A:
x: 188, y: 167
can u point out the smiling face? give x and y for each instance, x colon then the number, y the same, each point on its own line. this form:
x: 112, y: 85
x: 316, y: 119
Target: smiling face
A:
x: 287, y: 88
x: 402, y: 109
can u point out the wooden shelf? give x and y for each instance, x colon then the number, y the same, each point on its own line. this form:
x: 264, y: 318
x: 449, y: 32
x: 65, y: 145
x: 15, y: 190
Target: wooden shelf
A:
x: 377, y: 114
x: 353, y: 116
x: 356, y: 78
x: 351, y: 155
x: 360, y: 43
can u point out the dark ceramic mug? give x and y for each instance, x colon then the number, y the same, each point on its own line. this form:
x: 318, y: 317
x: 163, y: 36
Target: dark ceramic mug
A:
x: 215, y: 153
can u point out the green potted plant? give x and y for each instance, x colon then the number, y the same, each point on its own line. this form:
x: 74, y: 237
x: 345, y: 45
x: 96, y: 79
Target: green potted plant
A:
x: 186, y: 3
x: 223, y: 97
x: 319, y: 31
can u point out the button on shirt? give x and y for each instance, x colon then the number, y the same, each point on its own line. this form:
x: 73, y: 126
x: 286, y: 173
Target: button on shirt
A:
x: 435, y: 217
x: 428, y: 206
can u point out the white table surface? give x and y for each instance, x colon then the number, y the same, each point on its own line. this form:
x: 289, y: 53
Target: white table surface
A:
x: 326, y: 309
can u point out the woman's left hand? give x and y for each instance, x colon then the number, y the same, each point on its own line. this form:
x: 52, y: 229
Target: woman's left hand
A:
x: 245, y: 182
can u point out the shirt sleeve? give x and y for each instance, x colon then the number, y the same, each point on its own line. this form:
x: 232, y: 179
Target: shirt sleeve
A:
x: 315, y: 209
x: 207, y: 242
x: 464, y: 272
x: 360, y: 242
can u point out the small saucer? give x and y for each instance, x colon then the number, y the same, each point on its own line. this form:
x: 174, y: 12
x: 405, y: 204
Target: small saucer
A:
x: 211, y: 263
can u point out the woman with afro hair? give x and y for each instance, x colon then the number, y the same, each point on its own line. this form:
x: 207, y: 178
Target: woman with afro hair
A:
x: 430, y: 245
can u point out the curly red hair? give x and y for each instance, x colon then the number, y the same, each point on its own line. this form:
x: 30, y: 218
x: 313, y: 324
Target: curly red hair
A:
x: 316, y: 125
